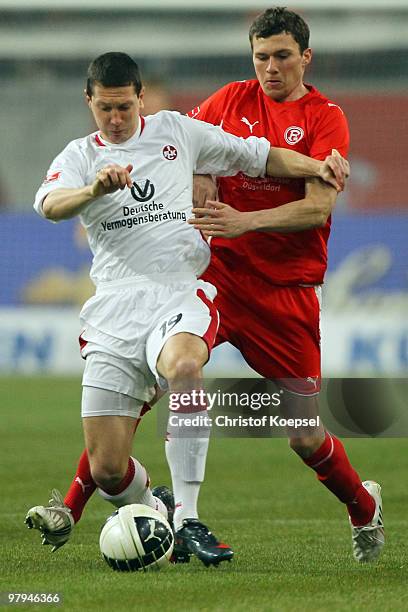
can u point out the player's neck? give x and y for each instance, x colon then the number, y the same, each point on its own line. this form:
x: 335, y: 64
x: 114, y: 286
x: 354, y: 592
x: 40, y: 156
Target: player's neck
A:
x: 299, y: 91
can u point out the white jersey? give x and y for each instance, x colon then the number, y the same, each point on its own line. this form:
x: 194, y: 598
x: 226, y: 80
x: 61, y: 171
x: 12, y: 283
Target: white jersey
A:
x: 143, y: 231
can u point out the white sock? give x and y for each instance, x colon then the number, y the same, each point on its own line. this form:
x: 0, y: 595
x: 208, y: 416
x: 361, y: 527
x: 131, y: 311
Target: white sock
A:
x: 137, y: 492
x: 186, y: 452
x: 188, y: 493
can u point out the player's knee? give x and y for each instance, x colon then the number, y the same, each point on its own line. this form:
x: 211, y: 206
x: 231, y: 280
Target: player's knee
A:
x: 305, y: 446
x: 184, y: 368
x: 107, y: 474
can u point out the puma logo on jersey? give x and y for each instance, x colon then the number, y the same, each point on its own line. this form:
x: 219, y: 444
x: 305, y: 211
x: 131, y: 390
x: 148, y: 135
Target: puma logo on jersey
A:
x: 250, y: 125
x: 312, y: 380
x: 81, y: 484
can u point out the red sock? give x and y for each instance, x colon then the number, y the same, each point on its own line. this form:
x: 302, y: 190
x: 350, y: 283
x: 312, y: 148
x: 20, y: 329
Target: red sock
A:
x: 335, y: 471
x: 81, y: 488
x: 125, y: 482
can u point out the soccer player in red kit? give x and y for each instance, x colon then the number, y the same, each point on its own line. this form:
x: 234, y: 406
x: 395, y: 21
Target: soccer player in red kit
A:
x: 268, y: 276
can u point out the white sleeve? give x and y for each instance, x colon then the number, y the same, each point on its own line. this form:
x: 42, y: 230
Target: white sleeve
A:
x: 66, y: 171
x: 223, y: 154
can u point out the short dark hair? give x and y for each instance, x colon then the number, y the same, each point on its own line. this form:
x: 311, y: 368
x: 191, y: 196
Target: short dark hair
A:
x: 113, y: 69
x: 277, y: 20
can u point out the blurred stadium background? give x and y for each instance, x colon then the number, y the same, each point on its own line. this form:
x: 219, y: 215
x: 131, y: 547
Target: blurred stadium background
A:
x: 186, y: 50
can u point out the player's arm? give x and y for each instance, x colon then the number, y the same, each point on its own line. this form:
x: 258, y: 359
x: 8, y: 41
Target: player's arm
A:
x: 286, y: 163
x: 312, y: 211
x: 65, y: 203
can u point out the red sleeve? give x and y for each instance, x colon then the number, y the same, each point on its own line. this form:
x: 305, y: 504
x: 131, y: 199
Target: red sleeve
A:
x: 330, y: 132
x: 212, y: 109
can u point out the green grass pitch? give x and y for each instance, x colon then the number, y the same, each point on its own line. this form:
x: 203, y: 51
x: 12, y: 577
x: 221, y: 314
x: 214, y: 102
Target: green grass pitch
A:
x: 290, y: 536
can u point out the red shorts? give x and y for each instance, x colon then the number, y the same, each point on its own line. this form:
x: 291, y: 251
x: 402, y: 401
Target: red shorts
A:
x: 276, y: 329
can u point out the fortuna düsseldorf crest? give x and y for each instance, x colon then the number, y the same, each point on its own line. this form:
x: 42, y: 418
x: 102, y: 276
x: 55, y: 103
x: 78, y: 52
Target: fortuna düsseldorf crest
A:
x: 293, y: 134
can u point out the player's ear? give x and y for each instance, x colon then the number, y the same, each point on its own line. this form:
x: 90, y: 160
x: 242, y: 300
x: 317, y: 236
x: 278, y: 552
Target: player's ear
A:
x: 306, y: 57
x: 87, y: 98
x: 141, y: 97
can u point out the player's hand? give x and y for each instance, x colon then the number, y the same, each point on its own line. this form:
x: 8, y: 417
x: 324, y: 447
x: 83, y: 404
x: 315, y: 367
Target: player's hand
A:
x: 219, y: 219
x: 334, y: 170
x: 204, y: 188
x: 110, y: 179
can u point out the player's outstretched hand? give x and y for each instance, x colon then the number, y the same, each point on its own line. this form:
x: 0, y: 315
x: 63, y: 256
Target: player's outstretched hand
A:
x: 334, y: 170
x: 219, y: 219
x: 110, y: 179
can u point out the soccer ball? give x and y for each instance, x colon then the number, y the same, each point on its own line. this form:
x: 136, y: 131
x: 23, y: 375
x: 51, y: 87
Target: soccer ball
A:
x: 136, y: 537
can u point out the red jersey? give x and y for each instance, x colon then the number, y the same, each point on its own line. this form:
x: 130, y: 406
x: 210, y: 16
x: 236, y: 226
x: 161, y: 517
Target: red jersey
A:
x: 312, y: 125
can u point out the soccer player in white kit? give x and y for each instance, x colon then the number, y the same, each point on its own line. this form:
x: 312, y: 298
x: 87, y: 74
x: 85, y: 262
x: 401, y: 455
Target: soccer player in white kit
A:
x: 151, y: 321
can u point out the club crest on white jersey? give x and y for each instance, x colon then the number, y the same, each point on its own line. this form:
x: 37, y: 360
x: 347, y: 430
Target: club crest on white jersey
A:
x: 169, y: 152
x: 293, y: 134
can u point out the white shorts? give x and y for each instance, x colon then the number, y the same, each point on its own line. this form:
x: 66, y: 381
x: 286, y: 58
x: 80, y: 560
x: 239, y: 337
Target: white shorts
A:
x: 112, y: 373
x: 126, y: 324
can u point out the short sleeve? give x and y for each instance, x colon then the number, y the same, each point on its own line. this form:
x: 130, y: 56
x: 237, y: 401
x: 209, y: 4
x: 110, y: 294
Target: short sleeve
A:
x: 66, y: 171
x: 330, y: 132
